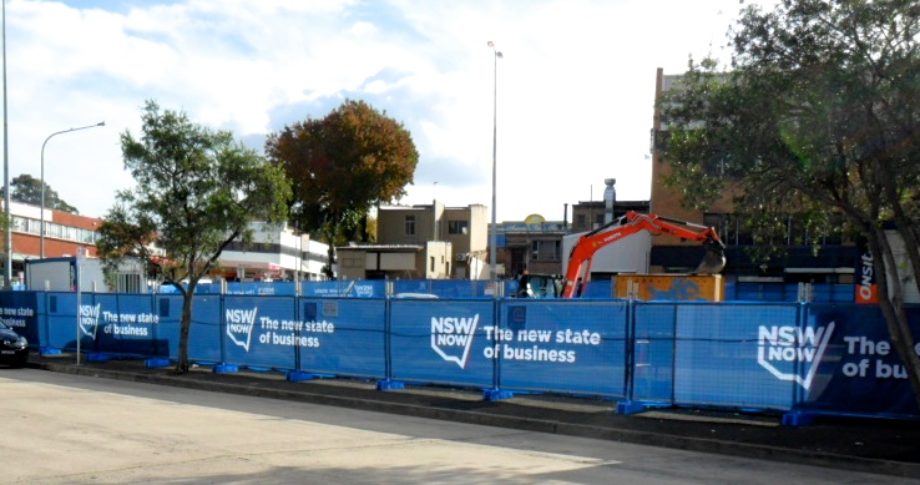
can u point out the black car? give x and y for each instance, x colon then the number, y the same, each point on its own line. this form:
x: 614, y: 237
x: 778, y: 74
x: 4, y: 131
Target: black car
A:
x: 14, y: 348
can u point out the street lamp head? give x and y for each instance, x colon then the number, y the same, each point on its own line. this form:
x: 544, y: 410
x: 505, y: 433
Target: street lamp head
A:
x: 42, y: 226
x: 498, y: 53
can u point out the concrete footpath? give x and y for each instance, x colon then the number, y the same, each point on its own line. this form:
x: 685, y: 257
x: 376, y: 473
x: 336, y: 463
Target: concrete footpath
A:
x: 877, y: 446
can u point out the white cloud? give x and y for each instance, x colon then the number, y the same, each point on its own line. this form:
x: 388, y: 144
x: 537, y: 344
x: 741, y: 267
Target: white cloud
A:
x: 575, y: 88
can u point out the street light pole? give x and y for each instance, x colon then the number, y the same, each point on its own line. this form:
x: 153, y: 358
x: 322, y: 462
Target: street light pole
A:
x: 493, y: 244
x: 8, y: 284
x: 42, y: 225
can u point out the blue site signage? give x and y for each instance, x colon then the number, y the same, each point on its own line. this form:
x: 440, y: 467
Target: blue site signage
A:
x: 337, y: 288
x: 722, y: 359
x: 262, y: 332
x: 204, y: 338
x: 859, y: 370
x: 19, y: 311
x: 317, y: 335
x: 442, y: 341
x: 574, y: 347
x: 349, y: 334
x: 124, y: 324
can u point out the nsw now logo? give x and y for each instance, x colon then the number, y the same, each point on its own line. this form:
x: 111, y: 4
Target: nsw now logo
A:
x: 792, y: 353
x: 452, y: 338
x: 240, y: 323
x: 89, y: 319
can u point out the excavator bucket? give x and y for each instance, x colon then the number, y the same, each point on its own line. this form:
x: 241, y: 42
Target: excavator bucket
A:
x: 714, y: 261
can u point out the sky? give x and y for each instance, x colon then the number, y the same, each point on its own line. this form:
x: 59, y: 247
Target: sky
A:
x: 573, y: 91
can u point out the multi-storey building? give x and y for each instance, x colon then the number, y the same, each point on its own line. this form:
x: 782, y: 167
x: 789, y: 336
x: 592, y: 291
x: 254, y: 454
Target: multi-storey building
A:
x: 533, y: 244
x: 422, y: 241
x: 66, y: 234
x: 275, y: 252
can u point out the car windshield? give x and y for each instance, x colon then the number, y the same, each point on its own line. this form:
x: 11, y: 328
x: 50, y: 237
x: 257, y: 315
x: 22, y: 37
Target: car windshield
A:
x: 4, y: 326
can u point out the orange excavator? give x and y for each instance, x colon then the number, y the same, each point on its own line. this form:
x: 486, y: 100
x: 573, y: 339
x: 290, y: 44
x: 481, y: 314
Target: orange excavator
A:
x: 579, y: 270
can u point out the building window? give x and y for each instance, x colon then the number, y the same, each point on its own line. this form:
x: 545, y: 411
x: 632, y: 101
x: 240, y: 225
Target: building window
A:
x: 580, y: 221
x: 410, y: 225
x: 33, y: 226
x: 457, y: 227
x: 20, y: 224
x: 129, y: 283
x: 545, y: 250
x: 432, y: 263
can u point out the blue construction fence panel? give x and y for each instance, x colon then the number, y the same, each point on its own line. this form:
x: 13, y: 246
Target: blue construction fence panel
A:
x: 653, y: 351
x: 344, y: 288
x: 168, y: 309
x: 598, y: 289
x: 261, y: 332
x: 343, y: 336
x: 447, y: 288
x: 788, y: 292
x: 62, y: 325
x: 572, y: 347
x: 761, y: 292
x: 19, y: 310
x: 208, y: 289
x: 269, y: 288
x: 204, y: 329
x: 833, y: 293
x: 854, y: 368
x: 443, y: 341
x: 126, y: 324
x: 719, y: 359
x: 107, y: 322
x: 200, y: 289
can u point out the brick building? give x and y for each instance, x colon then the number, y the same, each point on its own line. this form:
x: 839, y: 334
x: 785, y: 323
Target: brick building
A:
x: 65, y: 234
x: 834, y: 263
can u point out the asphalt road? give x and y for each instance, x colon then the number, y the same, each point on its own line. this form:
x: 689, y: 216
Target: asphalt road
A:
x: 62, y: 428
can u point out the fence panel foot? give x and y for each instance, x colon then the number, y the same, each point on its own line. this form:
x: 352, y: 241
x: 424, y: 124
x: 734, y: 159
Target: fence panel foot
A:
x: 49, y: 351
x: 388, y: 385
x: 299, y: 376
x: 798, y: 418
x: 630, y: 407
x: 496, y: 394
x: 157, y: 363
x: 226, y: 368
x: 98, y: 357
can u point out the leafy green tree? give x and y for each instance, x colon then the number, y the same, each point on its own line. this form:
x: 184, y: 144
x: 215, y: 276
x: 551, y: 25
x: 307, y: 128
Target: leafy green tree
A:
x: 197, y: 191
x: 341, y: 166
x: 820, y: 117
x: 28, y: 190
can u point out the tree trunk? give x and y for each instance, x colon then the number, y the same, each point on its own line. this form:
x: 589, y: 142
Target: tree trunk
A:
x: 330, y: 239
x: 362, y: 229
x: 905, y: 226
x: 891, y: 302
x: 185, y: 323
x: 184, y: 327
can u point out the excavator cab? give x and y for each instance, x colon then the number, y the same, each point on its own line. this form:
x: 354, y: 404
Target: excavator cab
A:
x: 714, y: 260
